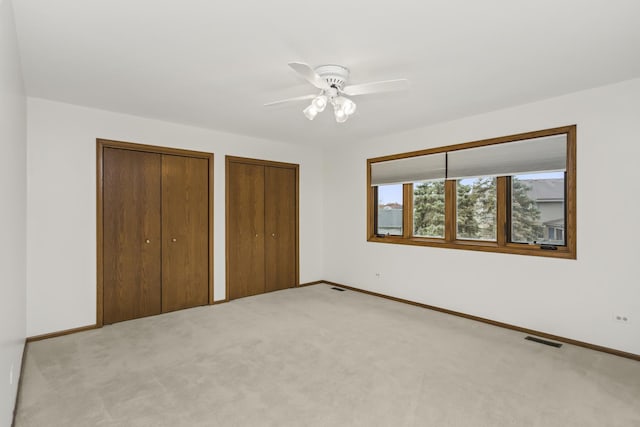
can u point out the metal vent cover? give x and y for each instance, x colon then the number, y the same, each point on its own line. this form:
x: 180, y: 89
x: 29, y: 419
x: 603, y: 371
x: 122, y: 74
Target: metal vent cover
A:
x: 541, y: 341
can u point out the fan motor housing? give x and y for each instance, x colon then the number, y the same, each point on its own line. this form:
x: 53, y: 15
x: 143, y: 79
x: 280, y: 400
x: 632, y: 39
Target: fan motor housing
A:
x: 335, y: 75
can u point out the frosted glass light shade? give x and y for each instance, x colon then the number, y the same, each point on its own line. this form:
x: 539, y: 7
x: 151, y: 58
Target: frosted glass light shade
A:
x: 311, y: 112
x: 342, y: 118
x: 319, y: 102
x: 348, y: 106
x: 339, y: 112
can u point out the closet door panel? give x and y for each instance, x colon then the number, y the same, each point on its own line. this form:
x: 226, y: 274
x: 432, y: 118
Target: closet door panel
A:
x: 185, y: 230
x: 245, y: 228
x: 132, y: 234
x: 280, y: 228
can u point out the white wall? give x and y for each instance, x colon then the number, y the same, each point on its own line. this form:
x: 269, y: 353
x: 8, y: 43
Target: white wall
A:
x: 13, y: 209
x: 61, y: 236
x: 575, y: 299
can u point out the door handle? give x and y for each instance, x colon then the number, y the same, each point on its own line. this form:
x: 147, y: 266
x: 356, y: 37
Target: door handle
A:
x: 147, y: 241
x: 273, y: 235
x: 174, y: 240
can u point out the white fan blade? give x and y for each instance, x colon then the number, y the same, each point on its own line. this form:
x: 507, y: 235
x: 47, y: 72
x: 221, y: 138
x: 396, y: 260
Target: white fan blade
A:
x: 283, y: 101
x: 307, y: 72
x: 374, y: 87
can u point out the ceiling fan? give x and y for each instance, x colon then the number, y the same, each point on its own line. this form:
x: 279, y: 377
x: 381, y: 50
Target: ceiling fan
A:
x: 331, y: 80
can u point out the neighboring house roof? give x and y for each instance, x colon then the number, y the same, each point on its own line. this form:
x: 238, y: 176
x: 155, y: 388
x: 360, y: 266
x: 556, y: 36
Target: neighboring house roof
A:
x: 545, y: 190
x: 391, y: 205
x: 555, y: 222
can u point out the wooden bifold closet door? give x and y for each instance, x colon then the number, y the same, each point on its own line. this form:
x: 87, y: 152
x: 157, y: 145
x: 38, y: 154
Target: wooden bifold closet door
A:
x: 132, y: 230
x: 262, y: 226
x: 280, y: 226
x: 155, y: 231
x: 185, y: 213
x: 245, y: 229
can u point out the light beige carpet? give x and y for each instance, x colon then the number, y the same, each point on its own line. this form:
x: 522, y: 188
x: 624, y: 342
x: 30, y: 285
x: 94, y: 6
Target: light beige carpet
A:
x: 318, y: 357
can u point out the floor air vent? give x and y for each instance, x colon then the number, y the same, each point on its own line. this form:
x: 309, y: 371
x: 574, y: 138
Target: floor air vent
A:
x: 545, y: 342
x: 337, y: 289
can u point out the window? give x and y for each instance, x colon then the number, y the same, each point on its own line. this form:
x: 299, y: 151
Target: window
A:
x: 513, y: 194
x: 428, y: 209
x: 389, y: 214
x: 476, y: 208
x: 537, y: 205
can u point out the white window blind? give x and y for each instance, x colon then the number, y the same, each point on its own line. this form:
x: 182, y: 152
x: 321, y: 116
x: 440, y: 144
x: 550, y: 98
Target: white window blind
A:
x: 544, y: 154
x: 411, y: 169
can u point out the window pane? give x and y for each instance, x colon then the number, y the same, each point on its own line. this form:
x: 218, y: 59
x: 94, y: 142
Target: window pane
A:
x: 428, y: 209
x: 476, y: 208
x: 390, y: 209
x: 537, y: 208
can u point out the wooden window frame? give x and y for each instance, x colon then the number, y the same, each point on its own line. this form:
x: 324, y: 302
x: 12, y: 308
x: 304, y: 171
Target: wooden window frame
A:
x: 502, y: 243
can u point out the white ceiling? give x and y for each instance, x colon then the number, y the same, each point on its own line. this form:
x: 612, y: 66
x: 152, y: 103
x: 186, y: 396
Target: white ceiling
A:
x: 213, y: 63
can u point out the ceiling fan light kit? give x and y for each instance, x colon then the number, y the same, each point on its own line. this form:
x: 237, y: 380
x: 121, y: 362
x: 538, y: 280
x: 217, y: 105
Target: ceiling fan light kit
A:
x: 342, y: 107
x: 319, y: 103
x: 331, y: 80
x: 311, y: 112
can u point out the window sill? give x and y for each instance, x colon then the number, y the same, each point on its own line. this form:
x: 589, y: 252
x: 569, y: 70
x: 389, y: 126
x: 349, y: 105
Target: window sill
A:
x: 562, y: 252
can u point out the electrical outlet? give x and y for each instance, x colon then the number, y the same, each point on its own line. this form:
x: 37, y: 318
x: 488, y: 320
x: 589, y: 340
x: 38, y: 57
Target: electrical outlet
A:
x: 621, y: 318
